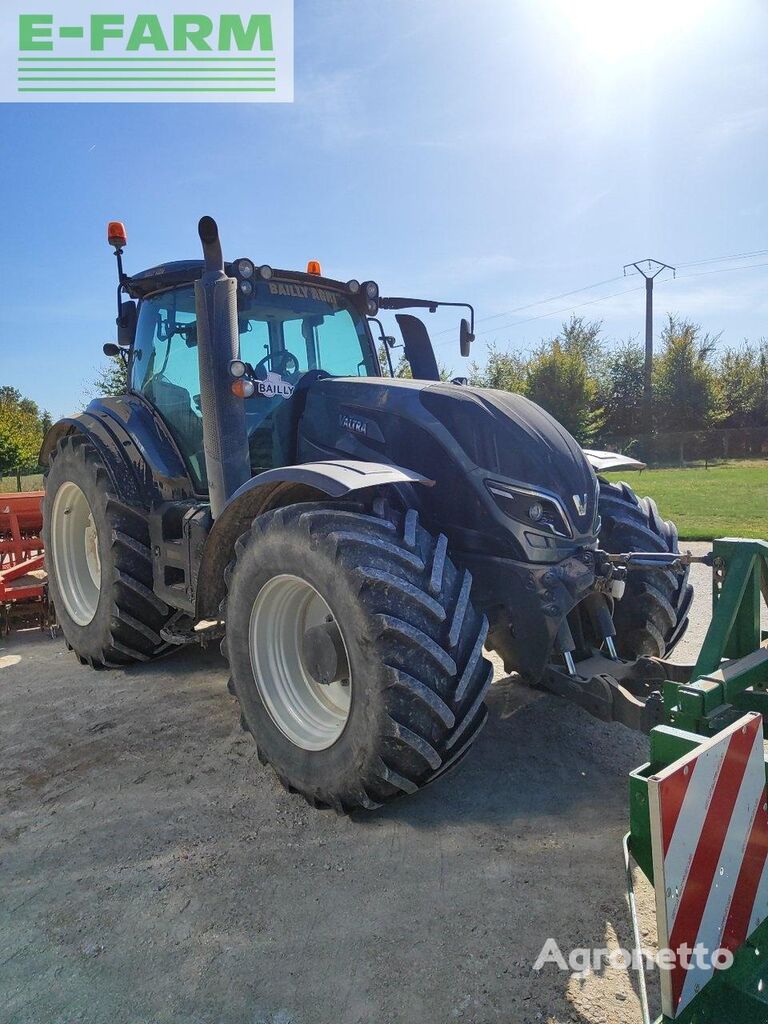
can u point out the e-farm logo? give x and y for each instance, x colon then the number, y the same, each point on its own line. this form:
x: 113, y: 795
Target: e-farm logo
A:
x: 161, y: 51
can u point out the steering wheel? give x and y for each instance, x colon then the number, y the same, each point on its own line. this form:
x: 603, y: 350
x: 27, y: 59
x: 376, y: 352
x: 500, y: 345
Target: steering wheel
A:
x: 282, y: 362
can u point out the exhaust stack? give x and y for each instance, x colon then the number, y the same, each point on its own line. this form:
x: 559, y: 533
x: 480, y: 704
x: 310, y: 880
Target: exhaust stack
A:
x: 225, y: 439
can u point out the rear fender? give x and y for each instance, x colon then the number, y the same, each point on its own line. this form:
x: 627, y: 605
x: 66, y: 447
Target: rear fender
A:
x: 289, y: 485
x: 135, y: 446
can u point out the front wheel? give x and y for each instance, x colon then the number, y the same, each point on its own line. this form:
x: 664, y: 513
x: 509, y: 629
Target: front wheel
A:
x: 355, y: 653
x: 652, y: 616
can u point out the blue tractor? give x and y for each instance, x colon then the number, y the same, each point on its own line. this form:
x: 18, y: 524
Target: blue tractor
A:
x: 356, y: 540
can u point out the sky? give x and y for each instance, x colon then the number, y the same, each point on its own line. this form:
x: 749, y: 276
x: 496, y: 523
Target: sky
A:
x: 499, y: 152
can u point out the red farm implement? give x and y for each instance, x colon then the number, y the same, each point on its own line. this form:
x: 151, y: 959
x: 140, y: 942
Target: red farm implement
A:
x: 23, y: 587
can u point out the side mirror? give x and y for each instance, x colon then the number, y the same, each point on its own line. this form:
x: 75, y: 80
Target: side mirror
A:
x: 391, y: 340
x: 466, y: 337
x: 126, y: 323
x: 110, y: 349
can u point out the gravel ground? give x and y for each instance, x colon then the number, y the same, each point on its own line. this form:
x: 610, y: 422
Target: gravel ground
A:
x: 153, y: 871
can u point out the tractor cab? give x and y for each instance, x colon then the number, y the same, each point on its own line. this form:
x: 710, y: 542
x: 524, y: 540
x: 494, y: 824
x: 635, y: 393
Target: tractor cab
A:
x: 293, y: 328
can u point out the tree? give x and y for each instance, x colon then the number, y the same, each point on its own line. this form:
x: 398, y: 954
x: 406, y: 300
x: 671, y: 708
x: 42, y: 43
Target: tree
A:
x: 592, y: 389
x: 743, y: 379
x: 21, y: 432
x: 503, y: 370
x: 583, y: 337
x: 685, y: 386
x: 111, y: 379
x: 383, y: 353
x: 622, y: 391
x: 403, y: 368
x: 12, y: 396
x: 558, y: 380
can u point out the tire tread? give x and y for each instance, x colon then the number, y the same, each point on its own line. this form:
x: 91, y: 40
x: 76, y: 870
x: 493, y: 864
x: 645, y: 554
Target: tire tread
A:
x: 137, y: 615
x: 426, y: 631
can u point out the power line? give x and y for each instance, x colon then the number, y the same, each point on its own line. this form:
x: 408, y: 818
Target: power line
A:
x: 552, y: 298
x: 610, y: 280
x: 541, y: 302
x: 557, y: 312
x: 723, y: 259
x: 612, y: 295
x: 551, y: 313
x: 722, y: 270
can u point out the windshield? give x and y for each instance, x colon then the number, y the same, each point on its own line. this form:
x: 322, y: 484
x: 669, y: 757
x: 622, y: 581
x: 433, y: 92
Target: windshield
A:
x: 304, y: 327
x: 286, y: 329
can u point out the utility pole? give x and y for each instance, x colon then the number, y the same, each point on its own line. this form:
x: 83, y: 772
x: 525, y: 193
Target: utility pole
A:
x: 649, y: 269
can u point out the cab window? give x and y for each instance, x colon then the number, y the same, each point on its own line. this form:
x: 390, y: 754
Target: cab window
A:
x: 286, y: 329
x: 165, y: 369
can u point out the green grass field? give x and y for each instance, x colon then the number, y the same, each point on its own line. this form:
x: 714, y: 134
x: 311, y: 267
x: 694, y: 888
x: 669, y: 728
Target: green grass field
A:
x: 28, y: 483
x: 727, y: 500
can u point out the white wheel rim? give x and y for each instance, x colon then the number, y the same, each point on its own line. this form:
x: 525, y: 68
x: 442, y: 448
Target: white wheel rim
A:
x: 76, y: 560
x: 310, y: 714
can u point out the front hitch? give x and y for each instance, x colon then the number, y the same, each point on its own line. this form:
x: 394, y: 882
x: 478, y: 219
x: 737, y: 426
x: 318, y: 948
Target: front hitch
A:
x: 675, y: 560
x: 610, y: 688
x: 730, y: 674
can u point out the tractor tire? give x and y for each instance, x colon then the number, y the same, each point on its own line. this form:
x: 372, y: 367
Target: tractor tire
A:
x: 652, y: 616
x: 99, y: 562
x: 402, y: 699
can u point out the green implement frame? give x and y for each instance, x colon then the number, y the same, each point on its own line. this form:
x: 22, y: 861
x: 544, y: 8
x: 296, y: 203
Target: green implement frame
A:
x: 730, y: 678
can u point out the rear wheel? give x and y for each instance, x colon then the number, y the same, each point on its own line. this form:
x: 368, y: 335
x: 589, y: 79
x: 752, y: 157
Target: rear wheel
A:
x: 652, y: 616
x: 99, y: 562
x: 355, y: 653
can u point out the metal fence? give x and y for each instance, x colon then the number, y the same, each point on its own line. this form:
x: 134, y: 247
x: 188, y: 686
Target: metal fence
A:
x: 692, y: 446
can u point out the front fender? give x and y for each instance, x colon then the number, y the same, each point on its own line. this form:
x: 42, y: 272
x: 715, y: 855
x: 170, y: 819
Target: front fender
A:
x: 276, y: 488
x: 335, y: 478
x: 606, y: 462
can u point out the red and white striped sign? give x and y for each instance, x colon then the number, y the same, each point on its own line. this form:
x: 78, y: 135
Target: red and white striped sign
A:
x: 709, y: 832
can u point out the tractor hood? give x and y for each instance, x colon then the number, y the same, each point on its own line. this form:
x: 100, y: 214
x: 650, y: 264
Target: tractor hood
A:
x: 475, y: 443
x: 513, y: 437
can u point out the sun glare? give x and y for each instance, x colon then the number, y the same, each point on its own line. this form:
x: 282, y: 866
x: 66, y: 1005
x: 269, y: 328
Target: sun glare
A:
x: 618, y: 29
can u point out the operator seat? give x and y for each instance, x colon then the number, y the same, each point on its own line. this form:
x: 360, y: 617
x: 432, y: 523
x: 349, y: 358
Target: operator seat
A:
x: 174, y: 403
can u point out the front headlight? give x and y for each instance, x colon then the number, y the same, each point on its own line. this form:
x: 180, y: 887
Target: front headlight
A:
x: 539, y: 510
